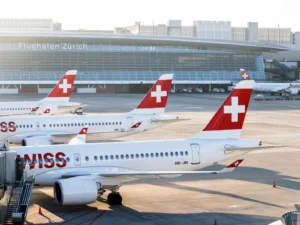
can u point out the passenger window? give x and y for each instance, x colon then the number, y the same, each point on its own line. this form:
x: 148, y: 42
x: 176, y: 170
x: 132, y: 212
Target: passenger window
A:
x: 113, y: 123
x: 161, y: 154
x: 116, y: 123
x: 127, y: 156
x: 156, y: 154
x: 57, y: 125
x: 95, y: 158
x: 176, y: 153
x: 106, y: 157
x: 117, y: 156
x: 132, y: 156
x: 166, y: 154
x: 89, y: 124
x: 50, y: 125
x: 142, y: 155
x: 137, y: 156
x: 101, y: 157
x: 82, y: 124
x: 109, y: 123
x: 68, y: 124
x: 106, y: 124
x: 181, y: 153
x: 152, y: 155
x: 92, y: 124
x: 120, y: 123
x: 65, y: 124
x: 111, y: 157
x: 68, y: 159
x: 171, y: 154
x: 86, y: 158
x: 147, y: 155
x: 102, y: 124
x: 186, y: 152
x: 23, y: 126
x: 53, y: 125
x: 75, y: 124
x: 122, y: 156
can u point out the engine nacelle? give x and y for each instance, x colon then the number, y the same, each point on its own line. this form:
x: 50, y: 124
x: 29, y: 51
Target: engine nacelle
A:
x: 39, y: 140
x: 75, y: 191
x: 293, y: 91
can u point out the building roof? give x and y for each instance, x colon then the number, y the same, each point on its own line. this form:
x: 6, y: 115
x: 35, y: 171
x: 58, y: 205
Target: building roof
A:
x: 141, y: 39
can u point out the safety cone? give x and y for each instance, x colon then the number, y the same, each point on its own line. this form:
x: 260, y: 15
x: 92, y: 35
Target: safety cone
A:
x: 40, y: 210
x: 215, y: 222
x: 274, y: 184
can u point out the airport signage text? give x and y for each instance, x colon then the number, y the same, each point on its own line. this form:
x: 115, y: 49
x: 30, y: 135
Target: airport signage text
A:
x: 65, y: 46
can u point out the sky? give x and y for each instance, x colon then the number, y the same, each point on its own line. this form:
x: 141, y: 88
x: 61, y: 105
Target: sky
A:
x: 107, y: 14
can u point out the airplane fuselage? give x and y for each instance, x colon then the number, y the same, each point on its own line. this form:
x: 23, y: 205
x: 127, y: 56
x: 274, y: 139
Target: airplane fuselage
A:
x: 51, y: 163
x: 19, y: 108
x: 56, y: 128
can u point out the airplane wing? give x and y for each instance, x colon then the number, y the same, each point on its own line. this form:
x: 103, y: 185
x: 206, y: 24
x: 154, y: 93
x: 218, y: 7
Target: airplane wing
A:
x: 246, y: 149
x: 227, y: 169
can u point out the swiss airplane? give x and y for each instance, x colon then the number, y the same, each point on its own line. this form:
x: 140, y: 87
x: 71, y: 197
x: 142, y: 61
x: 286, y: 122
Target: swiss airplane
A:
x: 60, y: 129
x: 57, y: 100
x: 80, y: 173
x: 291, y: 88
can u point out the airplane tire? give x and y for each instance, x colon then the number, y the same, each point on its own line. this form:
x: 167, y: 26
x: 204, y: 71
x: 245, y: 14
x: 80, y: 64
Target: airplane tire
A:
x: 114, y: 198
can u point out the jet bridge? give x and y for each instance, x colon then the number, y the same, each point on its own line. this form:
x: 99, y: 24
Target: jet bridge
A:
x: 14, y: 188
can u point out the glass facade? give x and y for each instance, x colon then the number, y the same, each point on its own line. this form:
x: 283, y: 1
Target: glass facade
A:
x: 41, y: 59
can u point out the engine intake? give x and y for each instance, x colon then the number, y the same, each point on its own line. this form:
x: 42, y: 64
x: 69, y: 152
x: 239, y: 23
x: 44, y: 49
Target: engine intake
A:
x: 75, y: 191
x: 293, y: 91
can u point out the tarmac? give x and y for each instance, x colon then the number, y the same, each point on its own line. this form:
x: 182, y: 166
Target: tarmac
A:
x: 245, y: 196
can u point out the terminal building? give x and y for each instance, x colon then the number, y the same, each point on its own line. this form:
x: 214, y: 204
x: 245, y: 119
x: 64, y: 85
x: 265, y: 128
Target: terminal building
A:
x: 37, y: 53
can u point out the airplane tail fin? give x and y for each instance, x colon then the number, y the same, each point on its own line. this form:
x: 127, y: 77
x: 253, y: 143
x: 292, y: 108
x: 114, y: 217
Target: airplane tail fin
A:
x: 229, y: 119
x: 80, y: 137
x: 63, y: 89
x: 244, y: 74
x: 155, y: 100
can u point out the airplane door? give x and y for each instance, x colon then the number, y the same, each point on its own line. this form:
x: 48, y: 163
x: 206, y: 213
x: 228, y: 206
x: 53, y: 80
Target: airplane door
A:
x: 37, y: 125
x: 77, y: 159
x: 129, y: 122
x: 195, y: 149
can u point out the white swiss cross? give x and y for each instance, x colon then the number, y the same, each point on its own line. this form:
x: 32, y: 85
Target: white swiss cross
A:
x: 84, y: 131
x: 158, y: 93
x: 65, y: 86
x: 234, y: 109
x: 245, y: 75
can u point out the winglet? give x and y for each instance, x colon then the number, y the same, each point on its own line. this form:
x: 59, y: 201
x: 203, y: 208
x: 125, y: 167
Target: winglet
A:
x: 47, y: 111
x: 63, y: 89
x: 228, y: 121
x: 155, y: 100
x: 244, y: 74
x: 232, y: 166
x: 80, y: 137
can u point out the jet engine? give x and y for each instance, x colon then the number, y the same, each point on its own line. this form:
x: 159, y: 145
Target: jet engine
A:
x: 293, y: 91
x: 75, y: 191
x: 39, y: 140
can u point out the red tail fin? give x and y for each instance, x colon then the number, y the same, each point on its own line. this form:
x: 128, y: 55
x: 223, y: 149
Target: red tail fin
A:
x: 47, y: 111
x: 63, y: 89
x: 229, y: 119
x: 244, y: 75
x: 156, y: 99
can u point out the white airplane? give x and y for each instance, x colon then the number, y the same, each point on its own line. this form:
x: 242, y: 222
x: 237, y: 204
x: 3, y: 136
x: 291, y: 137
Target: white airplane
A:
x: 291, y: 88
x: 57, y: 100
x: 80, y: 173
x: 37, y: 130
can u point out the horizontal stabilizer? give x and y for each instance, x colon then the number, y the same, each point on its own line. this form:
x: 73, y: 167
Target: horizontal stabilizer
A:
x: 236, y: 148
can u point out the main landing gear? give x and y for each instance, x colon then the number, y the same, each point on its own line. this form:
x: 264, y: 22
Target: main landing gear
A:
x: 114, y: 198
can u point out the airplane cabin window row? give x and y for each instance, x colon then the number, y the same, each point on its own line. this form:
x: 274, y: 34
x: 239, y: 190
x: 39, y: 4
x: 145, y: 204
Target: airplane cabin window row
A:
x: 82, y: 124
x: 138, y: 156
x: 7, y: 109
